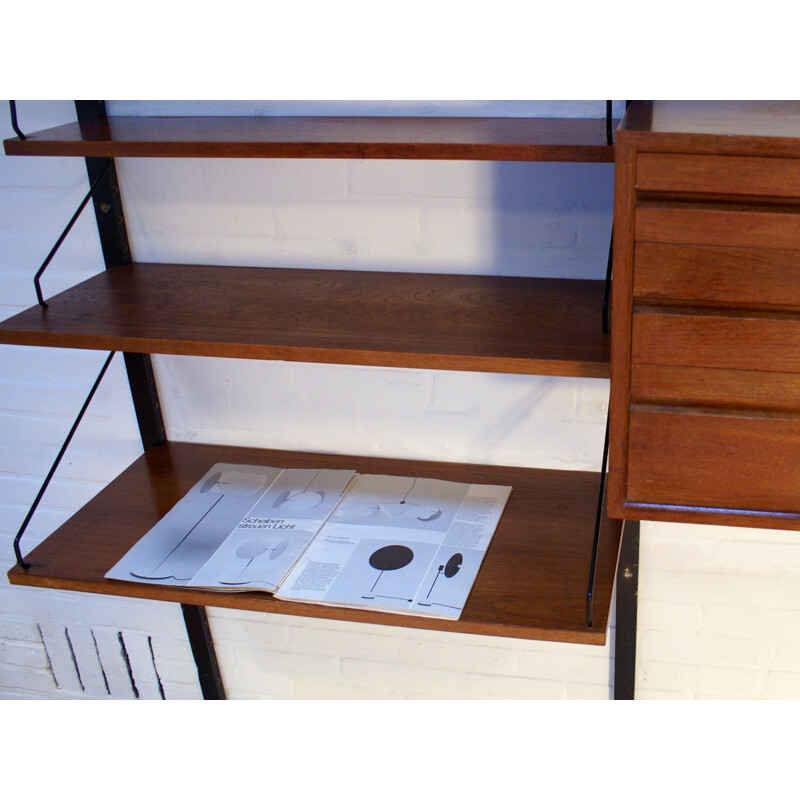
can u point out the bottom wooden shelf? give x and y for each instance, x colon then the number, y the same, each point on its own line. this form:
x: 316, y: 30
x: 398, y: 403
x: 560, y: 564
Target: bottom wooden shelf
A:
x: 532, y: 584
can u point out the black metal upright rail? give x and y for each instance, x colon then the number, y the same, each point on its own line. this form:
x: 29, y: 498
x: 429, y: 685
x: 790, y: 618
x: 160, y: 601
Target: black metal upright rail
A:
x: 114, y: 242
x: 627, y: 605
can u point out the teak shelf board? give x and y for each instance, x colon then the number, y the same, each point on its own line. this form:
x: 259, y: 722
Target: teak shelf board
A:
x: 461, y: 322
x: 459, y: 138
x: 532, y: 583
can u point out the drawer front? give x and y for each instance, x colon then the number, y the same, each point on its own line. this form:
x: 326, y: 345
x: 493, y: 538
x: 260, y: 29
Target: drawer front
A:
x: 714, y: 461
x: 717, y: 275
x: 733, y: 175
x: 719, y: 388
x: 716, y: 341
x: 723, y: 227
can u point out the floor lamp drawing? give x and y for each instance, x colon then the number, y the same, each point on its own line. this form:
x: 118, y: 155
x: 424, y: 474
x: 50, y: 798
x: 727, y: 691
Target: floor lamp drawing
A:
x: 223, y: 483
x: 386, y: 559
x: 300, y: 499
x: 449, y: 569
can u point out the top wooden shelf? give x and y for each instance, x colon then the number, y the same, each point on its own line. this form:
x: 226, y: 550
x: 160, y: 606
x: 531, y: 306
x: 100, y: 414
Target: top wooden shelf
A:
x: 450, y: 138
x: 718, y: 127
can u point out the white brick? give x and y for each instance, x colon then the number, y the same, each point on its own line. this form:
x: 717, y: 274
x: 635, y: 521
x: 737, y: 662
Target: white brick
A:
x: 698, y: 678
x: 309, y: 689
x: 706, y: 649
x: 590, y: 670
x: 352, y: 228
x: 457, y: 180
x: 17, y: 629
x: 588, y: 691
x: 272, y: 662
x: 460, y: 656
x: 783, y: 684
x: 709, y: 587
x: 25, y: 678
x: 662, y: 615
x: 23, y: 654
x: 518, y: 688
x: 264, y: 631
x: 351, y: 643
x: 643, y: 692
x: 405, y: 678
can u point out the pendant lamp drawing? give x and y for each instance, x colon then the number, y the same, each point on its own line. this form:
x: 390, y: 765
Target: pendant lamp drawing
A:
x: 300, y: 499
x: 424, y: 512
x: 387, y: 559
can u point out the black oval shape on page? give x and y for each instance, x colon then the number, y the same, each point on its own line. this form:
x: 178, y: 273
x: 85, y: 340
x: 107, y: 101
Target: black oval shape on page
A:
x: 393, y: 556
x: 453, y: 565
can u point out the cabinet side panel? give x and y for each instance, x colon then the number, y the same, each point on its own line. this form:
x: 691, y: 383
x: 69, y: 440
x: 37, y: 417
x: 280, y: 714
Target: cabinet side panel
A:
x: 624, y: 197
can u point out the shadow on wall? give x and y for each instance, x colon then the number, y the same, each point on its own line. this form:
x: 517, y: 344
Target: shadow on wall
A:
x: 508, y: 218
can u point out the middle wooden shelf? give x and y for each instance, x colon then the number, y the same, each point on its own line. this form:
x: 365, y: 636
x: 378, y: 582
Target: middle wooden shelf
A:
x: 478, y: 323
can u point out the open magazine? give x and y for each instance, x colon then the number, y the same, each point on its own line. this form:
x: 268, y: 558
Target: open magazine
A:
x: 240, y: 528
x: 386, y: 543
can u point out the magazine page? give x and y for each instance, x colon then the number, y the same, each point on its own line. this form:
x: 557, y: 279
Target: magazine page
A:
x: 273, y: 534
x: 404, y: 545
x: 178, y: 548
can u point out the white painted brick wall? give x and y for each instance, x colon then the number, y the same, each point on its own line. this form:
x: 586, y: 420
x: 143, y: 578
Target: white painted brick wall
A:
x: 710, y: 630
x: 719, y: 613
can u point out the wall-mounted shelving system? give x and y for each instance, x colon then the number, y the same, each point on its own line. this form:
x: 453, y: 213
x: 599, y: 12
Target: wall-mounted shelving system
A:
x: 533, y: 583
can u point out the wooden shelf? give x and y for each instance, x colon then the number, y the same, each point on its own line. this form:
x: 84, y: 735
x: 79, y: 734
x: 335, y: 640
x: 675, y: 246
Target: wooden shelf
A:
x: 460, y: 322
x: 532, y: 584
x: 463, y: 138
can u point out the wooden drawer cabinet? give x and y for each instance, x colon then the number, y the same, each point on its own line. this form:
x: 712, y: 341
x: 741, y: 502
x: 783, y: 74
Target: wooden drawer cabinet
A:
x: 705, y: 400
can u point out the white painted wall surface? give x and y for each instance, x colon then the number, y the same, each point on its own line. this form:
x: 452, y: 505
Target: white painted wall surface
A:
x: 699, y: 617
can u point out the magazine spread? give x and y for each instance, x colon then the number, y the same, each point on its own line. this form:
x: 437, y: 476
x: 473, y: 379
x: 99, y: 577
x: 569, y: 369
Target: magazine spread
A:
x: 240, y: 528
x: 387, y: 543
x: 403, y: 545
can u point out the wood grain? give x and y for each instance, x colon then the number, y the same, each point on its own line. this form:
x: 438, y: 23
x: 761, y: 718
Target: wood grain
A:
x: 707, y: 340
x: 731, y: 175
x: 715, y: 388
x: 462, y: 138
x: 621, y: 311
x: 717, y: 276
x: 462, y: 322
x: 714, y: 461
x: 726, y: 227
x: 532, y: 583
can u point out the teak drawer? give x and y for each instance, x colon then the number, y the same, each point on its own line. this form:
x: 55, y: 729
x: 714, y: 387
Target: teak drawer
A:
x: 704, y: 174
x: 713, y: 225
x: 746, y: 342
x: 713, y: 461
x: 716, y: 388
x: 716, y: 275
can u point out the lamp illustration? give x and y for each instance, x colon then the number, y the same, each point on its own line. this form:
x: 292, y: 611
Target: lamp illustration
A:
x: 386, y: 559
x: 225, y: 483
x: 449, y: 569
x: 300, y: 499
x: 254, y: 549
x: 424, y: 512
